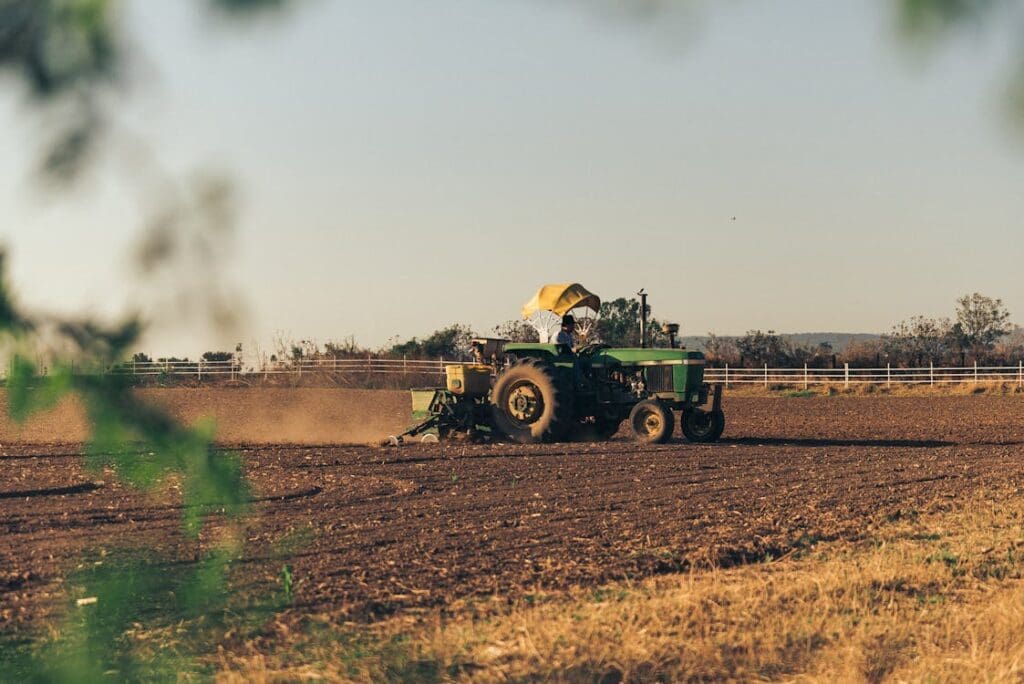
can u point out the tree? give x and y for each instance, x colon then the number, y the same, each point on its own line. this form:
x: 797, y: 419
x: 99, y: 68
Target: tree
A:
x: 814, y: 355
x: 452, y: 342
x: 763, y: 348
x: 619, y: 324
x: 218, y: 356
x: 346, y: 349
x: 920, y: 340
x: 516, y: 331
x: 980, y: 322
x: 1010, y: 349
x: 721, y: 350
x: 865, y: 353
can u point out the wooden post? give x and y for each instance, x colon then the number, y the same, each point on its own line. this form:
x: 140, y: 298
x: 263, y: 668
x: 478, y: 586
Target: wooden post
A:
x: 888, y: 374
x: 931, y: 372
x: 975, y: 371
x: 726, y: 376
x: 1020, y: 373
x: 199, y: 368
x: 846, y: 375
x: 805, y: 376
x: 766, y: 376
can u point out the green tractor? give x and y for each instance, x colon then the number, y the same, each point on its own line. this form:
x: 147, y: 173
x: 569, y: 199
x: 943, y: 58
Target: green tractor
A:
x: 547, y: 392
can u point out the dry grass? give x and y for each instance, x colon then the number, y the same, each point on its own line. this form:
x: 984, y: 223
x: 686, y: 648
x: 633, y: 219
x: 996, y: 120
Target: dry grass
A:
x: 935, y: 596
x: 939, y: 389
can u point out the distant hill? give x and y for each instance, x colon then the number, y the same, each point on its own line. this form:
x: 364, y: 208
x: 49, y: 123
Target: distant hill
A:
x: 838, y: 340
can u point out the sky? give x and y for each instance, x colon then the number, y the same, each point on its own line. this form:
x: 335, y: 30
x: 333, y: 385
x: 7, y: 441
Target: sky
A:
x: 401, y: 165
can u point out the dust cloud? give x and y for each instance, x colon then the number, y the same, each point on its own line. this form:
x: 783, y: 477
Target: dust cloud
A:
x: 262, y: 415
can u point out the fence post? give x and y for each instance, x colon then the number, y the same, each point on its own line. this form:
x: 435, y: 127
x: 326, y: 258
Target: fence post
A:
x: 766, y: 376
x: 805, y: 376
x: 1020, y: 373
x: 931, y: 372
x: 888, y: 374
x: 199, y: 368
x: 846, y: 375
x: 975, y: 371
x: 134, y: 363
x: 726, y: 376
x: 405, y: 365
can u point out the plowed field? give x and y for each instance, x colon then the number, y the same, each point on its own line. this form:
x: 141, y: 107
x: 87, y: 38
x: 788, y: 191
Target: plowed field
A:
x: 427, y: 526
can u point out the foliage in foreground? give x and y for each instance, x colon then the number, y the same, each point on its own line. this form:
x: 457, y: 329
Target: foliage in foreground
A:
x: 118, y: 601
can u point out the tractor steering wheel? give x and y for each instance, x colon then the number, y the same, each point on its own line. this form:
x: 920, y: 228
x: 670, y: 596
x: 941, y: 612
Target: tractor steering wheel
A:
x: 591, y: 349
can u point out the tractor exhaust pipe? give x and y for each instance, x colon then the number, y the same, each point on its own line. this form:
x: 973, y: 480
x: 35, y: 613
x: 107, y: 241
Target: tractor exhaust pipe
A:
x: 643, y: 318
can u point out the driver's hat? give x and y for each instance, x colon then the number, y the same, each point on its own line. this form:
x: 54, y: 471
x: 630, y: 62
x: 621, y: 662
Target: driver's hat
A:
x: 568, y: 319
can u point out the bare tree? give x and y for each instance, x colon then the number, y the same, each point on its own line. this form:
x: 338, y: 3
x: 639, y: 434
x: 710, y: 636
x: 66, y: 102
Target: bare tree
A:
x: 980, y: 322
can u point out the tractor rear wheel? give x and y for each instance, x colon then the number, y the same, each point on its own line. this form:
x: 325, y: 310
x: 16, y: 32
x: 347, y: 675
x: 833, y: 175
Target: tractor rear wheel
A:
x: 529, y: 404
x: 652, y: 422
x: 702, y: 426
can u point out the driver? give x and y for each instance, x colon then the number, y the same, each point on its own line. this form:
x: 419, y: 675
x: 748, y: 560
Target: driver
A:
x: 567, y: 335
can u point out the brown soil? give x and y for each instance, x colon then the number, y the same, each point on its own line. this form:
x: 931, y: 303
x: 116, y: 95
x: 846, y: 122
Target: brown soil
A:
x: 426, y: 526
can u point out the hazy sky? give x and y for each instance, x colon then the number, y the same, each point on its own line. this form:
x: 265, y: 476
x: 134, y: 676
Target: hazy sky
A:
x: 401, y: 165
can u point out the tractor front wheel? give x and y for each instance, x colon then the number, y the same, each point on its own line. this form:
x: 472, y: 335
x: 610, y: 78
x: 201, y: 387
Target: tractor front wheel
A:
x: 702, y: 426
x: 651, y: 421
x: 529, y: 404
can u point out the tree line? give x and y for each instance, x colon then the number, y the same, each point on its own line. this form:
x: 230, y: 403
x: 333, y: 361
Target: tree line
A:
x: 979, y: 331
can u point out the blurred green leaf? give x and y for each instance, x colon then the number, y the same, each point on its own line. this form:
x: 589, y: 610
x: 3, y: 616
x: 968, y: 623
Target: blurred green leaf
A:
x: 29, y: 393
x: 245, y: 7
x: 57, y: 44
x: 926, y: 18
x: 11, y: 321
x: 136, y: 617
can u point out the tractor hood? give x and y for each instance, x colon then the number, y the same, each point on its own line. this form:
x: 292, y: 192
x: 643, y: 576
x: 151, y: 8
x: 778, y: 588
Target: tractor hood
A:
x: 646, y: 357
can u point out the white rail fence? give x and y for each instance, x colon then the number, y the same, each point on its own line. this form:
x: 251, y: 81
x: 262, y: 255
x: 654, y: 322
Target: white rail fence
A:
x: 794, y: 377
x: 201, y: 369
x: 846, y: 376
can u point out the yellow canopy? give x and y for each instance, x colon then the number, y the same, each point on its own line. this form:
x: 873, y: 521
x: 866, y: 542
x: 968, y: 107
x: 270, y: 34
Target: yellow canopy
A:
x: 560, y: 299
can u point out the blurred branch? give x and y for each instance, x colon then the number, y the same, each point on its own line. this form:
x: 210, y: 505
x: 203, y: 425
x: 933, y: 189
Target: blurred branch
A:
x: 927, y: 23
x: 58, y: 44
x: 66, y: 52
x: 930, y: 19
